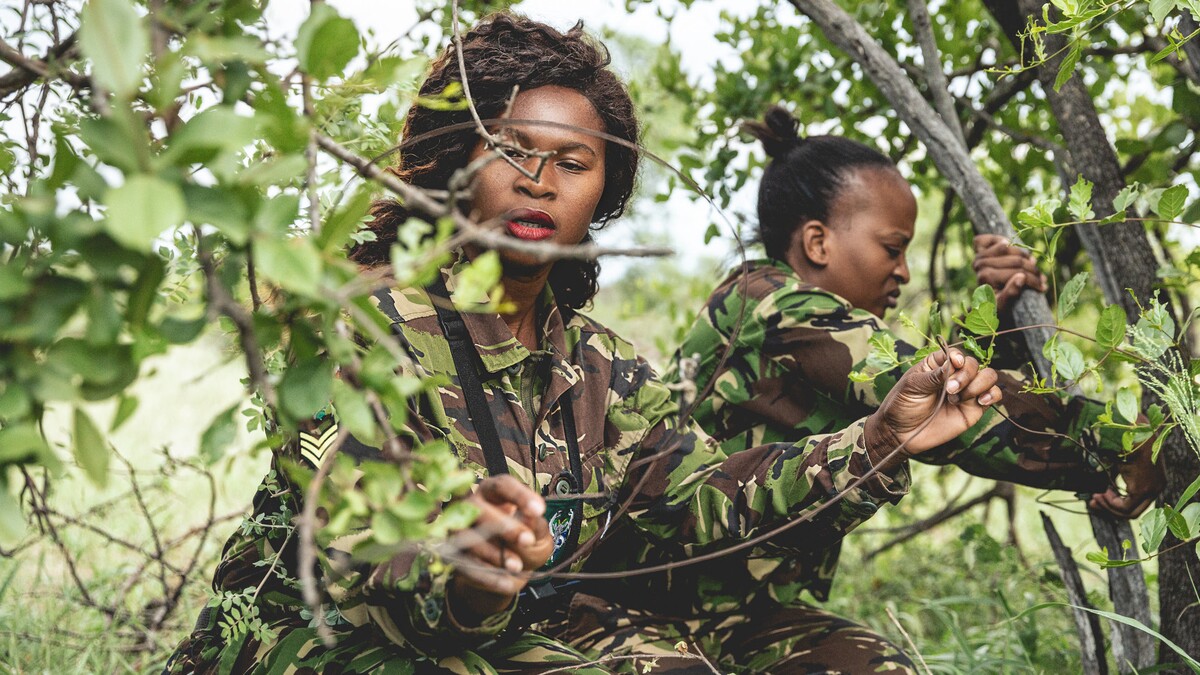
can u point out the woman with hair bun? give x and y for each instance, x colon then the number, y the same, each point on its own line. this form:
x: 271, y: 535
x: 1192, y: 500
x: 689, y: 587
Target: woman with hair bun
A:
x: 538, y: 402
x: 835, y: 218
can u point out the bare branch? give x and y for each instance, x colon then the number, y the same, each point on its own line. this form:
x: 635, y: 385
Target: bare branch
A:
x: 27, y: 70
x: 935, y: 77
x: 221, y: 302
x: 418, y: 199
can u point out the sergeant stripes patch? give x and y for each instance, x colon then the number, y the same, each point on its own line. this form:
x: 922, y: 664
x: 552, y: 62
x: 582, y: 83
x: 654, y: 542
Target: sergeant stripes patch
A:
x: 313, y: 447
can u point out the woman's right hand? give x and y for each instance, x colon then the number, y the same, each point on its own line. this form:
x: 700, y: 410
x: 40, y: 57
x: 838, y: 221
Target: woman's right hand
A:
x: 901, y: 417
x: 508, y: 539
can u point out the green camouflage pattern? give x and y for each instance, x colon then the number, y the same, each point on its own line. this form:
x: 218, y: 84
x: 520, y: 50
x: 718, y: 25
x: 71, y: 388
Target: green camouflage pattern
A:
x: 787, y: 376
x: 690, y: 496
x: 759, y: 638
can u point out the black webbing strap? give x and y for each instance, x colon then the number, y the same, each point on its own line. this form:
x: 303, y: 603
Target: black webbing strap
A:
x: 464, y: 355
x: 462, y: 350
x: 568, y: 420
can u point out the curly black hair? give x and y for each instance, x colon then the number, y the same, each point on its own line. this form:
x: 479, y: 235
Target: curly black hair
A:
x: 501, y: 51
x: 803, y: 178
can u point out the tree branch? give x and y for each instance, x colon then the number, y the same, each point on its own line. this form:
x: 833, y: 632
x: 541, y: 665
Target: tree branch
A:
x: 418, y: 199
x: 935, y: 77
x: 950, y: 156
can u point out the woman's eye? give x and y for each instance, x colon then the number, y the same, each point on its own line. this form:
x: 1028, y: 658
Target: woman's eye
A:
x: 893, y: 252
x: 572, y: 166
x: 513, y: 153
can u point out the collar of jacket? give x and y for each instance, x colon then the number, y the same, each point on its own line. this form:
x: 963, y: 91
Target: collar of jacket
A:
x: 498, y: 348
x: 778, y: 274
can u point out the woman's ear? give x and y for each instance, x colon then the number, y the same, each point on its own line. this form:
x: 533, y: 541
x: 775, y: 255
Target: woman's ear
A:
x: 811, y: 240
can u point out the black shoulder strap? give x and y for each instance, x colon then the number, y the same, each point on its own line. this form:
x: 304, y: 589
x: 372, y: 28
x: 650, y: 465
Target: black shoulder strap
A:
x: 568, y: 420
x: 464, y: 355
x: 465, y: 358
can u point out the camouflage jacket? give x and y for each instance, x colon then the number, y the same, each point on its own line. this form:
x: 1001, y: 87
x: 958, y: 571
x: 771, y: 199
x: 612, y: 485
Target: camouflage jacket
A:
x: 787, y: 376
x: 689, y: 498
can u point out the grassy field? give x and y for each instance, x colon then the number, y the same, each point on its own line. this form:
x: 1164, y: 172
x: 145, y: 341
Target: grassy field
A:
x: 949, y: 595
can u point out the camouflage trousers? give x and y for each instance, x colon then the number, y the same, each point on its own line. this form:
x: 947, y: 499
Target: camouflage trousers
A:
x: 767, y: 638
x: 298, y: 650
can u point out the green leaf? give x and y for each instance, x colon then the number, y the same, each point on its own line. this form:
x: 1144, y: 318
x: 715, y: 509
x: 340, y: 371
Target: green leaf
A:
x: 12, y: 520
x: 1080, y: 204
x: 91, y: 450
x: 1154, y: 528
x: 1110, y: 329
x: 1069, y: 296
x: 293, y: 263
x: 982, y: 320
x: 14, y: 400
x: 126, y: 406
x: 1039, y: 215
x: 276, y: 170
x: 21, y: 443
x: 1177, y: 524
x: 1188, y: 494
x: 1127, y: 405
x: 113, y: 37
x: 1154, y: 332
x: 326, y: 42
x: 1067, y: 359
x: 112, y: 142
x: 1126, y: 197
x: 218, y: 129
x: 883, y: 352
x: 142, y: 209
x: 220, y: 208
x: 12, y: 282
x: 345, y: 221
x: 477, y: 280
x: 181, y: 331
x: 1111, y: 616
x: 1170, y: 204
x: 305, y: 387
x: 354, y: 412
x: 1067, y: 68
x: 1159, y: 9
x: 983, y: 293
x: 935, y: 320
x: 220, y: 435
x: 1191, y: 519
x: 711, y: 233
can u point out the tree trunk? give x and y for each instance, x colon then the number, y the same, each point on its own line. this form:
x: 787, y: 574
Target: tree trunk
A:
x: 1122, y: 258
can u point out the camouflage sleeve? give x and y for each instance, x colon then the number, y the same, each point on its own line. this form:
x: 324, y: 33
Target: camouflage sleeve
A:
x: 405, y: 598
x: 690, y: 492
x: 1040, y: 440
x: 1033, y: 439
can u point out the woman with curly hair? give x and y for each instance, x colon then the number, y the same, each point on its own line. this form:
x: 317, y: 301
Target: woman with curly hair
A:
x: 538, y: 402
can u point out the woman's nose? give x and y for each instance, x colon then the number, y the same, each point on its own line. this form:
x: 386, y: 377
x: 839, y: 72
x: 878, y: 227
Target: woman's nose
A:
x: 901, y: 270
x: 537, y: 183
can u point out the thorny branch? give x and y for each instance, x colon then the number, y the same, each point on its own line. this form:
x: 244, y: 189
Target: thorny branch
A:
x: 170, y: 570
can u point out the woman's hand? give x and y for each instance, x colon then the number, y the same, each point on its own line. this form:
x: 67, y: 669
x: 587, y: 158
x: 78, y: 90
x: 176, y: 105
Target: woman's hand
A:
x: 1143, y: 481
x: 509, y: 539
x: 1006, y: 268
x: 914, y: 399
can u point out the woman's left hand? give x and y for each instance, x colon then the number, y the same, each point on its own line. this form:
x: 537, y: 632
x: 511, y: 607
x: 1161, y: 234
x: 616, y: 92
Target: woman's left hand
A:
x: 1144, y: 480
x: 1006, y: 268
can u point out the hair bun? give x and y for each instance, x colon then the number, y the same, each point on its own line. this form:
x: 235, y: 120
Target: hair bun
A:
x: 777, y: 131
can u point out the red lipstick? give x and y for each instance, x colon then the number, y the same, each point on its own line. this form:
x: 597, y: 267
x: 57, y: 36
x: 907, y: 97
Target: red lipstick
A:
x: 529, y: 224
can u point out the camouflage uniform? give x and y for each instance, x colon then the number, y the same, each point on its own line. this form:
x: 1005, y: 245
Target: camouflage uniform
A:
x: 394, y: 616
x: 786, y: 377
